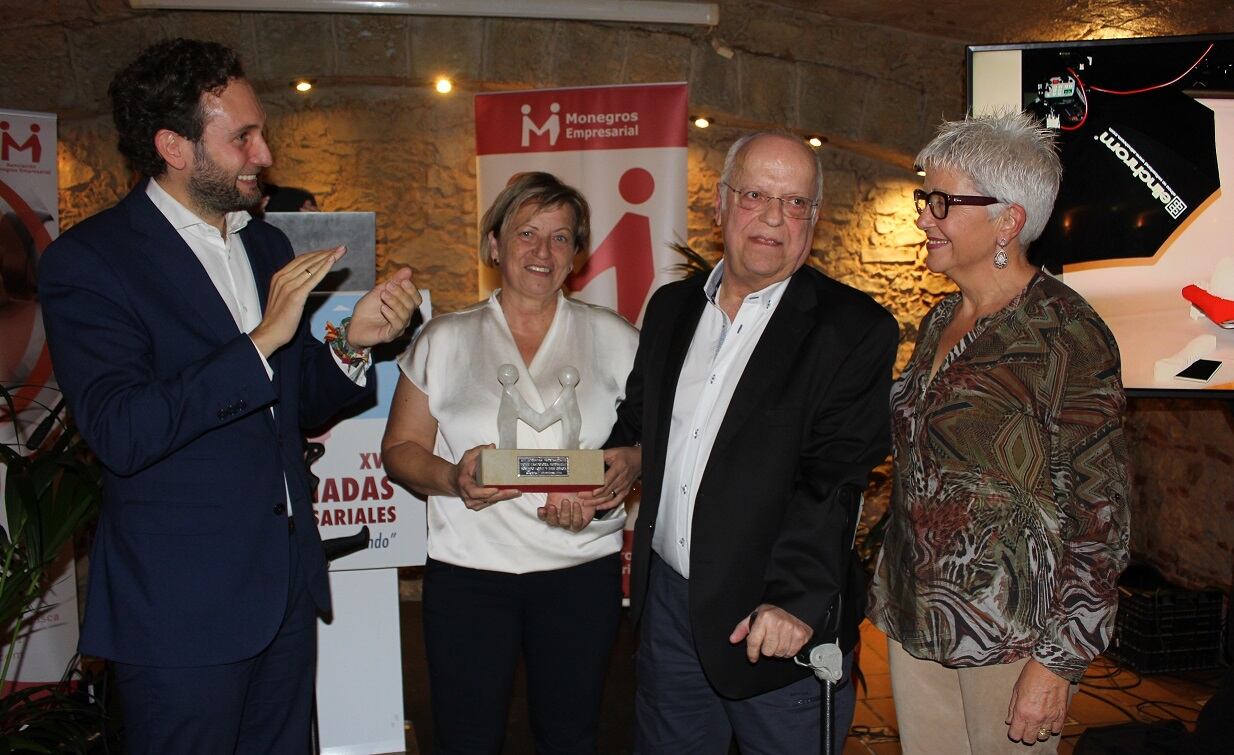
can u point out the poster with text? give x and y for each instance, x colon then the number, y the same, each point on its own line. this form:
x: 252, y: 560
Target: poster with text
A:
x: 29, y: 222
x: 624, y: 148
x: 353, y: 489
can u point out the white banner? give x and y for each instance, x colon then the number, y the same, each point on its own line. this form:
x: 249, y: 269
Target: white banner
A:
x: 29, y: 221
x: 624, y: 148
x: 359, y: 666
x: 353, y: 489
x: 359, y: 673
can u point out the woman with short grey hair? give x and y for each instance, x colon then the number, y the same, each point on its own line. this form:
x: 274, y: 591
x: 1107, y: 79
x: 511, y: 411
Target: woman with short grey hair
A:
x: 1008, y: 523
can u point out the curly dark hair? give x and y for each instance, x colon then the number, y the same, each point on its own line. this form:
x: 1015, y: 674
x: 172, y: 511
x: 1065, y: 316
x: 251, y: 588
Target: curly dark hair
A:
x: 162, y: 88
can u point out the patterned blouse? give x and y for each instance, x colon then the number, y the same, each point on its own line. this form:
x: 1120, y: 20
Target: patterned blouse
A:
x: 1008, y: 525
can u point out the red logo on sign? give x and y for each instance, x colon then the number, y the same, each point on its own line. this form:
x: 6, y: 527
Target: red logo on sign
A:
x: 627, y: 248
x: 9, y: 145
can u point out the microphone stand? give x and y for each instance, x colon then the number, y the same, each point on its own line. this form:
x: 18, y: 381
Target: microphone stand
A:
x: 335, y: 547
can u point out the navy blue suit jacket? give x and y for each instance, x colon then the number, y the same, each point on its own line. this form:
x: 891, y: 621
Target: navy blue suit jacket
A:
x: 190, y: 562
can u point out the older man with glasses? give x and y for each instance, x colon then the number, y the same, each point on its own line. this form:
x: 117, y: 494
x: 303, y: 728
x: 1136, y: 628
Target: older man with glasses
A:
x: 759, y: 394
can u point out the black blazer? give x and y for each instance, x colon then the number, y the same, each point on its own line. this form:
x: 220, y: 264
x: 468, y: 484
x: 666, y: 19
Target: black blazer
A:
x: 190, y: 562
x: 809, y: 414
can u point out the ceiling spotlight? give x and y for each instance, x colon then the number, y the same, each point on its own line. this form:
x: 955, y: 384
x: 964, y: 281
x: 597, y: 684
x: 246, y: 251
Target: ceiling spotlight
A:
x: 701, y: 122
x: 920, y: 170
x: 443, y: 85
x: 815, y: 142
x: 302, y: 85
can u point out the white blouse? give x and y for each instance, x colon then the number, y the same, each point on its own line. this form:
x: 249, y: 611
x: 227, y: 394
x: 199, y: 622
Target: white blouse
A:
x: 454, y: 361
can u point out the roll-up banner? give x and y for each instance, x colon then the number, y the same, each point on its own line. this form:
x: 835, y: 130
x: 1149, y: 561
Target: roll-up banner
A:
x: 624, y: 148
x: 29, y: 221
x: 359, y: 658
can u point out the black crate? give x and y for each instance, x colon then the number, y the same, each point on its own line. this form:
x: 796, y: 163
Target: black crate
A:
x: 1167, y: 628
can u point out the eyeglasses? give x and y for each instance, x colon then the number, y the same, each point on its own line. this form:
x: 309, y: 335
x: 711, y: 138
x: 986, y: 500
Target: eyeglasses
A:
x: 798, y: 208
x: 940, y: 201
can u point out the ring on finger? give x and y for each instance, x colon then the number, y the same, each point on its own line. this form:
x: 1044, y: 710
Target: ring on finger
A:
x: 1043, y: 733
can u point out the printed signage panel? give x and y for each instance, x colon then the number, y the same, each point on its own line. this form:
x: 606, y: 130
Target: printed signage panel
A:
x: 624, y: 148
x: 29, y: 222
x: 353, y: 489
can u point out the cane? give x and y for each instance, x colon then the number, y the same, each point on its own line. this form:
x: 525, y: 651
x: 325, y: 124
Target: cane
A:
x: 825, y: 659
x: 827, y: 662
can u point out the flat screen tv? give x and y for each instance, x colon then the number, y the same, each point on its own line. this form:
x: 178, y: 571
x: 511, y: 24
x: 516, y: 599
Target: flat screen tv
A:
x: 1142, y: 227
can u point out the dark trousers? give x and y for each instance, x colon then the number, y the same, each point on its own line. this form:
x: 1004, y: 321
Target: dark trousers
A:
x: 260, y: 705
x: 678, y: 711
x: 476, y: 625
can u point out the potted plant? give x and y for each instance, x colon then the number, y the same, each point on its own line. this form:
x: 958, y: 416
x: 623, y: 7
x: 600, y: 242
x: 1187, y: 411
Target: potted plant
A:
x: 52, y: 490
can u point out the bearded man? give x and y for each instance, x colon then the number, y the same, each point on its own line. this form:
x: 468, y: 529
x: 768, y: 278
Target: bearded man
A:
x: 176, y: 328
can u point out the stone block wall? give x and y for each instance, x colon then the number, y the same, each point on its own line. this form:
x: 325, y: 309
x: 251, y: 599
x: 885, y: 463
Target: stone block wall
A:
x: 1183, y: 515
x: 374, y: 136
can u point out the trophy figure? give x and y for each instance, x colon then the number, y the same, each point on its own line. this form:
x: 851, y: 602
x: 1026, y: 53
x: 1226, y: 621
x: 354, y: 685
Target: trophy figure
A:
x: 538, y: 470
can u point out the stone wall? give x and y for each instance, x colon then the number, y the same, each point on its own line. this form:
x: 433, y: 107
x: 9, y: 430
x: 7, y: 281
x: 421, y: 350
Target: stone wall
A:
x: 373, y: 136
x: 1183, y: 516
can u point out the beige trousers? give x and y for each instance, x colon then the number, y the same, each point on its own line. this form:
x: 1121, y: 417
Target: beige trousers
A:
x: 947, y: 711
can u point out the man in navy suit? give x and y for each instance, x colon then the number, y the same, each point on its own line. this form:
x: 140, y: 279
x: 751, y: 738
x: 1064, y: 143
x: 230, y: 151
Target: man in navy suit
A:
x: 176, y: 329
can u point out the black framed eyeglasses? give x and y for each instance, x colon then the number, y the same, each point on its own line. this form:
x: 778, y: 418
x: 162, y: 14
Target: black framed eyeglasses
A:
x: 795, y: 207
x: 940, y: 201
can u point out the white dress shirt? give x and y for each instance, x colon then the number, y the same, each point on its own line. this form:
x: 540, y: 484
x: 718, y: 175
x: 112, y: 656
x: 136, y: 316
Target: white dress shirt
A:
x: 227, y: 263
x: 225, y: 260
x: 454, y: 361
x: 714, y: 364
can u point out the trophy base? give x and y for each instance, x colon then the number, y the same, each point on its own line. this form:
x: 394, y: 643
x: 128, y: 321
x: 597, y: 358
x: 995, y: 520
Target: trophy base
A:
x: 538, y: 470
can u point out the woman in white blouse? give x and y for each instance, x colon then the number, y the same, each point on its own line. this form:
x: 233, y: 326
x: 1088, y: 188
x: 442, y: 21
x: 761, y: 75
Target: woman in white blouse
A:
x: 500, y: 582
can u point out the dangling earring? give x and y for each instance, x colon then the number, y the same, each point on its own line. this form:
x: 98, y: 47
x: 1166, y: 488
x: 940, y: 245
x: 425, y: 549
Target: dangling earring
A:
x: 1001, y: 259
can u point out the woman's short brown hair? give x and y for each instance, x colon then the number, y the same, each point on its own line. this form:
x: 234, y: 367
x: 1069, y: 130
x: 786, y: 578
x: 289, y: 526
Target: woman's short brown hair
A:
x: 539, y: 189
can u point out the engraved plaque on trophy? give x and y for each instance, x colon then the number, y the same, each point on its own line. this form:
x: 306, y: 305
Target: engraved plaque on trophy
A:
x: 536, y: 469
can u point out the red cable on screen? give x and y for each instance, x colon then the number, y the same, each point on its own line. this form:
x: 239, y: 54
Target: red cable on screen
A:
x: 1175, y: 80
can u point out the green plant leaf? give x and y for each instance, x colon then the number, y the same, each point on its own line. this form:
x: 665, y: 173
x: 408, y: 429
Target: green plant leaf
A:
x: 694, y: 262
x: 49, y: 495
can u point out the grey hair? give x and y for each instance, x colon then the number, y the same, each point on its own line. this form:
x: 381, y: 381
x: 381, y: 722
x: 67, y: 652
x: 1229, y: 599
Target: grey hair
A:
x: 730, y: 163
x: 1007, y: 155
